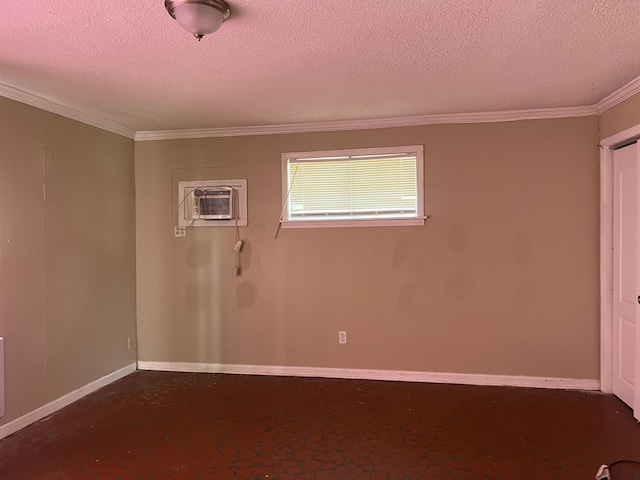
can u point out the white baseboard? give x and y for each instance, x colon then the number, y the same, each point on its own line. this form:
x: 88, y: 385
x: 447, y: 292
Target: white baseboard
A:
x: 392, y: 375
x: 52, y: 407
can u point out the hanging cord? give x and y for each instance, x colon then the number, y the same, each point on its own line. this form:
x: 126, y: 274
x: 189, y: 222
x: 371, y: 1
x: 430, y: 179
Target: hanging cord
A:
x: 286, y: 201
x: 180, y: 205
x: 604, y: 470
x: 237, y: 269
x: 629, y: 462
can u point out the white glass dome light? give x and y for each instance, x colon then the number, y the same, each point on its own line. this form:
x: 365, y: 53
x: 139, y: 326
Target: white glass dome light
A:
x: 199, y: 17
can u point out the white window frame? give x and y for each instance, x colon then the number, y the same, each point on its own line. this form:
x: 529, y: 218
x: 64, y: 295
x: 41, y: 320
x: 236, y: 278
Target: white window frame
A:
x: 417, y: 150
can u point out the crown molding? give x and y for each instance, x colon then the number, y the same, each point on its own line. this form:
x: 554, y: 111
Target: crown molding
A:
x: 412, y: 121
x: 42, y: 103
x: 619, y: 96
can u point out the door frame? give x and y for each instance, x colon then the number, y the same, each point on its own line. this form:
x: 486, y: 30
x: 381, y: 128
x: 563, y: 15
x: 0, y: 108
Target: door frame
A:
x: 607, y: 146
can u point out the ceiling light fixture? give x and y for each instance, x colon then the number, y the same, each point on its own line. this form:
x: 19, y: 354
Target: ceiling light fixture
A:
x: 199, y: 17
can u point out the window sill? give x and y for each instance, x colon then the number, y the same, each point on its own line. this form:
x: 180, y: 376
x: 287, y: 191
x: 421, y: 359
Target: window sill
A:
x: 387, y: 222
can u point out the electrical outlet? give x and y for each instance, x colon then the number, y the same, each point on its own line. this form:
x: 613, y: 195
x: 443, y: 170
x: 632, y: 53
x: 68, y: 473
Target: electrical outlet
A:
x: 128, y: 343
x: 342, y: 337
x: 180, y: 231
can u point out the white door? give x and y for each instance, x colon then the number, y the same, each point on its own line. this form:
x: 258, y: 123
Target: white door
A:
x: 625, y: 275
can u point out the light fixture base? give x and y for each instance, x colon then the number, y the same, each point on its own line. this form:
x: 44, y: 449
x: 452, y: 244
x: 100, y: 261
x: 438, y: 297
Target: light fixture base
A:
x: 199, y: 17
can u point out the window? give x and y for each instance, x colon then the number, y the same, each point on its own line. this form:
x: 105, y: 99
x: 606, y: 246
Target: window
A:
x: 368, y: 187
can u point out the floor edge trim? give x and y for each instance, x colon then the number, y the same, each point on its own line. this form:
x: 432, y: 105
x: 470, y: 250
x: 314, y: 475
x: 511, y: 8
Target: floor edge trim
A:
x: 59, y: 403
x: 391, y: 375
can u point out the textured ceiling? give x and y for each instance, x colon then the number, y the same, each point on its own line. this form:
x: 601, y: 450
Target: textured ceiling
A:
x: 299, y: 61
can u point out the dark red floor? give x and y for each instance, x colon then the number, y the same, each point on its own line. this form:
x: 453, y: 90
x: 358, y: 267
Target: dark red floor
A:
x: 160, y: 425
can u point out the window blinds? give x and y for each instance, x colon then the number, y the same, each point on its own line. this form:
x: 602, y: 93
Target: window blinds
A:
x: 353, y: 187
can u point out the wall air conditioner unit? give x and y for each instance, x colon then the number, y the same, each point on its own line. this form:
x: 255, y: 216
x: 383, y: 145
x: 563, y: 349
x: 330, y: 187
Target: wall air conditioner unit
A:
x: 212, y: 203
